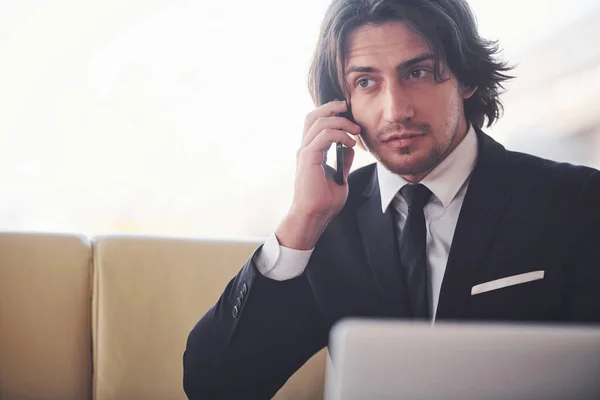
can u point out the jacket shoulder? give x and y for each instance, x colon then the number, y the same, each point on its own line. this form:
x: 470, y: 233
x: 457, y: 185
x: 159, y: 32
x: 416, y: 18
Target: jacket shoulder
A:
x: 536, y: 169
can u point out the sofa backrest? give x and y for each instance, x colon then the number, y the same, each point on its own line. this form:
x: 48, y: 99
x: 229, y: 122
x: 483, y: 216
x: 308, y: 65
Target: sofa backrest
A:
x: 109, y: 319
x: 148, y: 294
x: 45, y: 317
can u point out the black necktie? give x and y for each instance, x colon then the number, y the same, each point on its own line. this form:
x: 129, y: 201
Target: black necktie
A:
x: 412, y: 249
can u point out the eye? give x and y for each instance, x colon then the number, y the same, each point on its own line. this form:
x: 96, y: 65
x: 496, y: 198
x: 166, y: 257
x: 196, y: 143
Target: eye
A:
x: 418, y: 73
x: 365, y: 83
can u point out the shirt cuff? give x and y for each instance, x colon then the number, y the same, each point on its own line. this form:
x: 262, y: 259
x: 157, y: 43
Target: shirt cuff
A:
x: 281, y: 263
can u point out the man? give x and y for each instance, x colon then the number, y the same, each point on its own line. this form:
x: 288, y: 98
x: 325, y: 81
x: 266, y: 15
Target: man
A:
x: 447, y: 225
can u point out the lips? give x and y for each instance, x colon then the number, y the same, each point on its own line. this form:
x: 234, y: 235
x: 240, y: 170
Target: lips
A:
x: 407, y: 135
x: 399, y: 141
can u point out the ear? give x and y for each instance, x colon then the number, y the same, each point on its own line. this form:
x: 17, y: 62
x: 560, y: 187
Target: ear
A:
x: 467, y: 92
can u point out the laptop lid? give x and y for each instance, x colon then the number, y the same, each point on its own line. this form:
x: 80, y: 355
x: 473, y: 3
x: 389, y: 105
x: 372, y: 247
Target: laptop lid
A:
x: 375, y: 359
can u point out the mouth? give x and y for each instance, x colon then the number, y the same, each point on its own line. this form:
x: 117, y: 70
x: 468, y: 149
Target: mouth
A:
x: 404, y: 139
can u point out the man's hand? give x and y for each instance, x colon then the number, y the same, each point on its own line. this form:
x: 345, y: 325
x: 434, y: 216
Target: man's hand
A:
x: 317, y: 197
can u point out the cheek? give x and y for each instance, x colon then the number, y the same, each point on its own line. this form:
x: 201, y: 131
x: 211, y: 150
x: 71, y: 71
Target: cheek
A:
x: 438, y: 109
x: 428, y: 103
x: 365, y: 114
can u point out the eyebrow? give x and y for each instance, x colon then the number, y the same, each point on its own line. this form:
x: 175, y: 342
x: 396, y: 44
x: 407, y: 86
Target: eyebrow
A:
x: 404, y: 65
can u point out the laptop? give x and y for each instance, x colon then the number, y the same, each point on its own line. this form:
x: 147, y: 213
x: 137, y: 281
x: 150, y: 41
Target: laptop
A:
x: 378, y: 359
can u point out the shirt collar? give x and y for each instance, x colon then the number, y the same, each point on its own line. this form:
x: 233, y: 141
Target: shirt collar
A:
x: 444, y: 180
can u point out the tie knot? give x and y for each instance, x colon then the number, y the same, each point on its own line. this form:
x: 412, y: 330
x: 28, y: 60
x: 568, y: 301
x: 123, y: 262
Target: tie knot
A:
x: 416, y: 195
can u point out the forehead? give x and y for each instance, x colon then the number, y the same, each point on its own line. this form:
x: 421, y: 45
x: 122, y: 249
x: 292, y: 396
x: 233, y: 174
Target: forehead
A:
x: 391, y: 42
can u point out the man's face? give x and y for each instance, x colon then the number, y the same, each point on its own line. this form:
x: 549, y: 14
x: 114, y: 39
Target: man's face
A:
x: 409, y: 122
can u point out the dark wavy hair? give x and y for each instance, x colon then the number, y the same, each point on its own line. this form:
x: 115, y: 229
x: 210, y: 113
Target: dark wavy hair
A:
x: 448, y: 26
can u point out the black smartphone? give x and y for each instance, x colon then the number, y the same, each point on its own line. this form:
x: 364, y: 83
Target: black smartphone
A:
x: 339, y: 170
x: 327, y: 94
x: 339, y: 153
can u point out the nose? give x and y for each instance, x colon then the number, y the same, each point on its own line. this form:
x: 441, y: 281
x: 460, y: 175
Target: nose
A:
x: 398, y: 105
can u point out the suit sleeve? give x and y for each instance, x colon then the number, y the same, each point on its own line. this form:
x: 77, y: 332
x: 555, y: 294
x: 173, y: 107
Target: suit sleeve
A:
x: 253, y: 339
x: 584, y: 302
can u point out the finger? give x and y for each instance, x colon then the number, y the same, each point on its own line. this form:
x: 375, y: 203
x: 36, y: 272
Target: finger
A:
x: 326, y: 110
x: 339, y: 123
x: 329, y: 136
x: 316, y: 152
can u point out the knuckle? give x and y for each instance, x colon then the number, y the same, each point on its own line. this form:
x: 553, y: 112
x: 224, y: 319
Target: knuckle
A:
x: 302, y: 151
x: 309, y: 116
x: 308, y: 122
x: 319, y: 121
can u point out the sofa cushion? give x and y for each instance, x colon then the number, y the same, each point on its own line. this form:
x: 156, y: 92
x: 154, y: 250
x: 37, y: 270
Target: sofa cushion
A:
x: 45, y: 322
x: 148, y: 295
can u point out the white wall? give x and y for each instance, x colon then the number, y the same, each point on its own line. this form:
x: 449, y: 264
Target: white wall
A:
x: 170, y: 116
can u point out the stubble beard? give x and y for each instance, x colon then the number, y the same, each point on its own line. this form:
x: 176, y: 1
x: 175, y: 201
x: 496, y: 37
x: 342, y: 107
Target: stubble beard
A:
x: 408, y: 166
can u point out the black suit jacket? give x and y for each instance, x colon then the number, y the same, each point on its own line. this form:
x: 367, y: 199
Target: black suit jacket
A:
x: 520, y: 214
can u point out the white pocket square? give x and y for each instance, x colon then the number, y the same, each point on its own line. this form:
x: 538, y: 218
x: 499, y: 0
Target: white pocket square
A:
x: 508, y: 281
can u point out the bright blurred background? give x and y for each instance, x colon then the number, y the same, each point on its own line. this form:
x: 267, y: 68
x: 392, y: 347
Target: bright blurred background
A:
x: 171, y: 117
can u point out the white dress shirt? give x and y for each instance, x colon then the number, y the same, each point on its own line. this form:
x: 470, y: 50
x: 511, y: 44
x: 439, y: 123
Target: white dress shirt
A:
x: 448, y: 182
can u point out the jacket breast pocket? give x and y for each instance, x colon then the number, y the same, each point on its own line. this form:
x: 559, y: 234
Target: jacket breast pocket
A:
x: 508, y: 281
x: 525, y: 296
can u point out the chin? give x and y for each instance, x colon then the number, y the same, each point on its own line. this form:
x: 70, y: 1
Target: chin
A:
x: 410, y: 164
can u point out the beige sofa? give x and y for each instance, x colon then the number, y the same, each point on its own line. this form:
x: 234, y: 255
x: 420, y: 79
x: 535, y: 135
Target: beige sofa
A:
x: 108, y: 317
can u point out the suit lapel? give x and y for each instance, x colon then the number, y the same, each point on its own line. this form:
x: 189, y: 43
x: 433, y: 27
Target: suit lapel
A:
x: 485, y: 201
x: 378, y: 236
